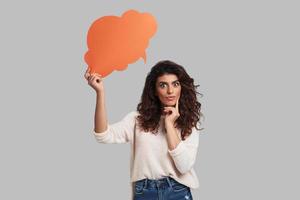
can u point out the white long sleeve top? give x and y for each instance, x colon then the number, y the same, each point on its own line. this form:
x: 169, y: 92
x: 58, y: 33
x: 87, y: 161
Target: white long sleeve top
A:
x: 150, y: 156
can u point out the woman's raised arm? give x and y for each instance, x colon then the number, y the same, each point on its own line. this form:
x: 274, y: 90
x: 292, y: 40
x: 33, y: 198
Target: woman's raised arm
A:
x: 100, y: 119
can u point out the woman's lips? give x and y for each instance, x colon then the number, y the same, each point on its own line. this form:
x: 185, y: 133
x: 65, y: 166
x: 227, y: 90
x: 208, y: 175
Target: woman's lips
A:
x: 170, y: 98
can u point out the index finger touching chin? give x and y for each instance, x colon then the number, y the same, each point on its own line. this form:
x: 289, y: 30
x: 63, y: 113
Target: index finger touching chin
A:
x: 177, y: 102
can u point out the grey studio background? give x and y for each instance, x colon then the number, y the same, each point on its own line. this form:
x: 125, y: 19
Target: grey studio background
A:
x: 244, y: 55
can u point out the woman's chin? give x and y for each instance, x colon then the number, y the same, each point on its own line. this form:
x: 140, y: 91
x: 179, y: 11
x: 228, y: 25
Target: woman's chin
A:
x: 169, y: 104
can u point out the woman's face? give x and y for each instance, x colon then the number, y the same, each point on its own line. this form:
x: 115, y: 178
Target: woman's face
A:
x: 168, y: 89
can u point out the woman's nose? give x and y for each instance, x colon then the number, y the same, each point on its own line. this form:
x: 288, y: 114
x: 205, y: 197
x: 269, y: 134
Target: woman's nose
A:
x: 170, y: 90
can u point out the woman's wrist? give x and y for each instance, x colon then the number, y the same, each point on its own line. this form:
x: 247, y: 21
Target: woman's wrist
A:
x: 169, y: 124
x: 100, y: 92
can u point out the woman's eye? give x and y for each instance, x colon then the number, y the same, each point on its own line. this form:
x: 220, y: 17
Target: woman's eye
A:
x: 162, y: 85
x: 177, y: 84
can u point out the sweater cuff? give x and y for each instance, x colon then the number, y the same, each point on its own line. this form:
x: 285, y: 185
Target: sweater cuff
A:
x: 178, y: 150
x: 101, y: 135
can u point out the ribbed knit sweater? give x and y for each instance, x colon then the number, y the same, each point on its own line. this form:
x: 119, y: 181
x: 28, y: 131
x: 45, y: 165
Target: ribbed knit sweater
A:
x: 150, y: 156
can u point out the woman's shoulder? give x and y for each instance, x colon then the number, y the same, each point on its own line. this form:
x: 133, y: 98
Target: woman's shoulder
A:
x: 133, y: 113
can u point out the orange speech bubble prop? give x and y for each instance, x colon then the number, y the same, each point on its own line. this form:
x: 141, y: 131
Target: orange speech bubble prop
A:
x: 114, y: 42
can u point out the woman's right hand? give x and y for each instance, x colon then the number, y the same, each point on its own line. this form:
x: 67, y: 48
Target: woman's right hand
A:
x: 94, y: 80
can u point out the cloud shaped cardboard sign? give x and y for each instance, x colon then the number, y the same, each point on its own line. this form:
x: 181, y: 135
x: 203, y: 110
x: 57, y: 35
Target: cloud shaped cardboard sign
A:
x: 114, y: 42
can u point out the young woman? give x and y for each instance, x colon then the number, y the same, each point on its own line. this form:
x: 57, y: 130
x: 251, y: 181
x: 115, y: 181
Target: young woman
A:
x: 162, y: 132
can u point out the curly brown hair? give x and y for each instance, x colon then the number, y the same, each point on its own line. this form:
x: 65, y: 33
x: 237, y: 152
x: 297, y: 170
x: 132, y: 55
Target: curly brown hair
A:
x: 150, y: 107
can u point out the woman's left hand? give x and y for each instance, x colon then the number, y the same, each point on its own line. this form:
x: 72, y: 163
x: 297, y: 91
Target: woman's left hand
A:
x: 172, y: 113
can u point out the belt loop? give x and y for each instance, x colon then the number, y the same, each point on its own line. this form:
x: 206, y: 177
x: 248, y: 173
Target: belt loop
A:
x: 145, y: 183
x: 169, y: 182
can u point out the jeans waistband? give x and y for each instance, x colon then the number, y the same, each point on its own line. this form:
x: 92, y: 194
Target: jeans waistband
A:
x: 158, y: 183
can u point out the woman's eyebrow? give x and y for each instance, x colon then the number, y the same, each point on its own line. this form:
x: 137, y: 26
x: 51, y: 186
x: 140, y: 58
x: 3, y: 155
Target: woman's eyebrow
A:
x: 167, y: 82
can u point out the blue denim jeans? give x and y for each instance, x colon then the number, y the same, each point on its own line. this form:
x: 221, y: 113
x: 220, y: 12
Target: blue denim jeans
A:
x: 165, y: 188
